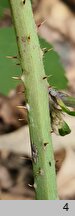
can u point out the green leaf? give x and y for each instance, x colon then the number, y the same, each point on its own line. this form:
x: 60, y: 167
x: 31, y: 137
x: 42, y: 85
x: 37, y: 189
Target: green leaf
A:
x: 64, y: 129
x: 8, y: 68
x: 53, y: 66
x: 3, y: 4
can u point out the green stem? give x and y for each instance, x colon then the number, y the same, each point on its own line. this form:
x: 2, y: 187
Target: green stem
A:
x: 37, y: 99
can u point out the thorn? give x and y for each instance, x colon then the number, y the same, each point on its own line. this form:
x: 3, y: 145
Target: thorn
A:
x: 22, y: 107
x: 11, y: 57
x: 52, y: 87
x: 18, y: 64
x: 26, y: 158
x: 24, y: 1
x: 40, y: 24
x: 22, y: 92
x: 46, y: 77
x: 21, y: 119
x: 41, y: 172
x: 35, y: 186
x: 28, y: 107
x: 16, y: 78
x: 34, y: 153
x: 45, y: 50
x: 51, y: 131
x: 45, y: 144
x: 23, y: 77
x: 32, y: 186
x: 49, y: 86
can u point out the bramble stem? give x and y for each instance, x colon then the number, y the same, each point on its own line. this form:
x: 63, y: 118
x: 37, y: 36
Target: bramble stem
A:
x: 37, y: 100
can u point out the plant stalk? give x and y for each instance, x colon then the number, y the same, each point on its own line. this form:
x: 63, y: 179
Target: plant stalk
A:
x: 36, y: 90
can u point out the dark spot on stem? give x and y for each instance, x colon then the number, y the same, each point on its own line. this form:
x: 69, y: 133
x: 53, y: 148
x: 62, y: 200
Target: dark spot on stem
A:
x: 50, y: 163
x: 28, y: 38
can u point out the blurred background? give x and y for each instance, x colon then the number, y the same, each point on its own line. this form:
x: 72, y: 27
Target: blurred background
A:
x: 56, y: 21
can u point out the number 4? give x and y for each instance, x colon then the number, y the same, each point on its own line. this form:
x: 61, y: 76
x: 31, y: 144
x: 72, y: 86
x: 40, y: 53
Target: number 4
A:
x: 66, y: 207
